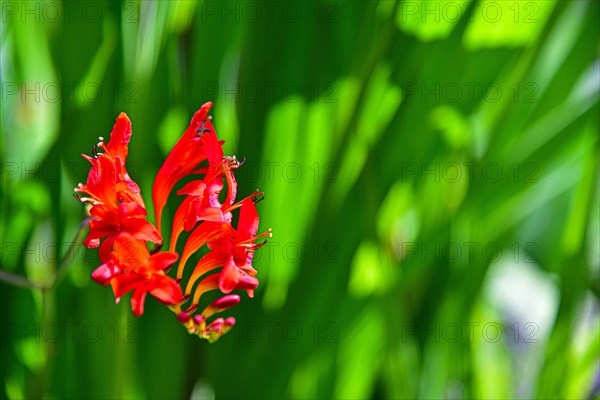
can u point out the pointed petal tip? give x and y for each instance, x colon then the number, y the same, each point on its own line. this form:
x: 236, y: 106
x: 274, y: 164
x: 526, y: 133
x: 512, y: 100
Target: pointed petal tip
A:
x: 123, y: 116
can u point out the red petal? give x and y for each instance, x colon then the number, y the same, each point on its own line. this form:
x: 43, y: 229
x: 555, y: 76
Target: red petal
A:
x: 104, y: 273
x: 248, y: 283
x: 141, y: 229
x: 205, y: 232
x: 207, y: 263
x: 229, y: 277
x: 212, y: 146
x: 119, y: 137
x: 124, y: 283
x: 178, y: 222
x: 193, y: 188
x: 213, y: 189
x: 162, y: 260
x: 105, y: 251
x: 101, y: 182
x: 231, y: 186
x: 137, y: 301
x: 187, y: 153
x: 91, y: 242
x: 166, y: 290
x: 132, y: 254
x: 131, y: 209
x: 100, y: 229
x: 226, y: 302
x: 197, y: 212
x: 248, y: 223
x: 194, y: 208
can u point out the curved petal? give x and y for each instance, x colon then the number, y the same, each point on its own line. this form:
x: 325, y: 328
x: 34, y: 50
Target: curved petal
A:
x: 166, y: 290
x: 178, y: 222
x: 137, y: 301
x: 248, y: 283
x: 187, y: 153
x: 207, y: 263
x: 100, y: 184
x: 162, y: 260
x: 124, y: 283
x: 100, y: 229
x: 205, y: 232
x: 104, y: 273
x: 248, y: 222
x: 193, y: 188
x: 119, y: 137
x: 229, y: 277
x: 196, y: 212
x: 132, y: 254
x: 131, y: 209
x: 231, y: 186
x: 141, y: 229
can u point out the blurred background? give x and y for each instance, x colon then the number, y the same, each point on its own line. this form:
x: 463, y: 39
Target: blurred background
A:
x: 430, y: 171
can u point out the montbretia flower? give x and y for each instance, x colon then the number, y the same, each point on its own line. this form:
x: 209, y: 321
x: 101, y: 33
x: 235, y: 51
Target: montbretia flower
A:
x: 120, y: 228
x: 117, y: 205
x: 132, y: 267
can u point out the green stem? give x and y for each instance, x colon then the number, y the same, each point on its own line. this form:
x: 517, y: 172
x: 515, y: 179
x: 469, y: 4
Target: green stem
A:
x: 21, y: 281
x: 71, y: 251
x: 17, y: 280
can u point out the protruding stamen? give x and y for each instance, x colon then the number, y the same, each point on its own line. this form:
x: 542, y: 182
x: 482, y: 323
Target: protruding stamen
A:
x: 251, y: 241
x: 261, y: 244
x: 233, y: 162
x: 239, y: 203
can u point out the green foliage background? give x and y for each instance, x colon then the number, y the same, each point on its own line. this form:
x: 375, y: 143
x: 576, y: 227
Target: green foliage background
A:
x: 440, y: 242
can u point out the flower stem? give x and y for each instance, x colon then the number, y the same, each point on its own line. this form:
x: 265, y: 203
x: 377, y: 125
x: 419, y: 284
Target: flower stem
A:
x: 21, y: 281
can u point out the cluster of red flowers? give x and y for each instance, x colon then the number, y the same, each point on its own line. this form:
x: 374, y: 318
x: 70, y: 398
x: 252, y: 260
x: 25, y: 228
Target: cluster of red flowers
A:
x: 119, y: 227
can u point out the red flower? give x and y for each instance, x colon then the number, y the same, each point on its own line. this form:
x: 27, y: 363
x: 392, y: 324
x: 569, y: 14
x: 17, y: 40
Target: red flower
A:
x: 198, y: 142
x: 119, y: 218
x: 116, y: 202
x: 131, y: 267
